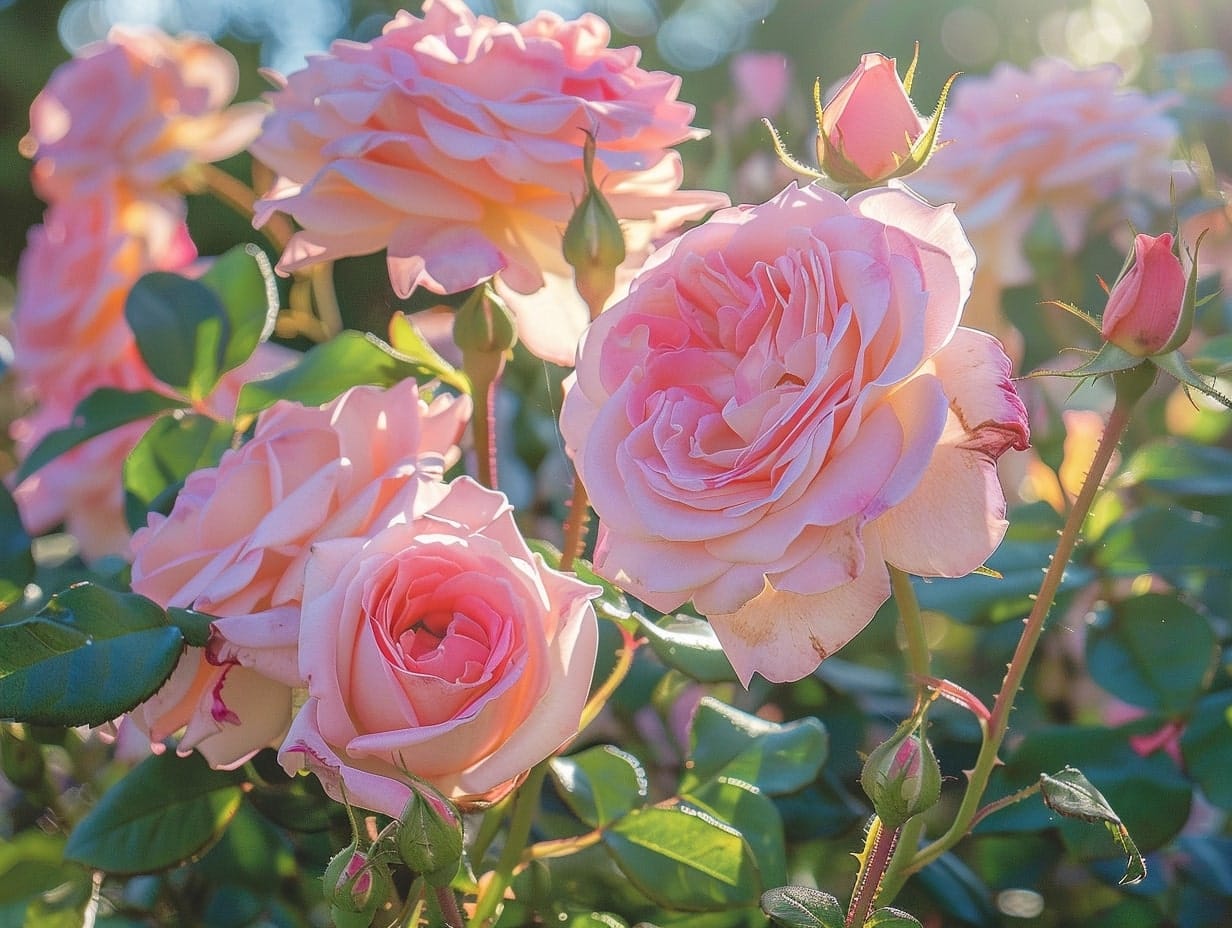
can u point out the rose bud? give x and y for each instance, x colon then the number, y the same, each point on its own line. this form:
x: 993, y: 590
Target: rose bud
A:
x: 901, y: 776
x: 356, y: 885
x: 430, y: 837
x: 1146, y: 314
x: 870, y: 124
x: 594, y: 244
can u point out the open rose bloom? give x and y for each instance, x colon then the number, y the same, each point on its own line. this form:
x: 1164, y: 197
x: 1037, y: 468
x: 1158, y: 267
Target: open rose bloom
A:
x: 1054, y: 137
x: 236, y: 542
x: 441, y: 647
x: 454, y: 142
x: 783, y: 404
x: 135, y: 111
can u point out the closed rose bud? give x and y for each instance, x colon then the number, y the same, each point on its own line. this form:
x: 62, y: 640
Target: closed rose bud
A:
x: 430, y: 838
x: 484, y: 324
x: 355, y: 886
x: 1146, y: 314
x: 594, y: 244
x: 870, y: 125
x: 902, y: 777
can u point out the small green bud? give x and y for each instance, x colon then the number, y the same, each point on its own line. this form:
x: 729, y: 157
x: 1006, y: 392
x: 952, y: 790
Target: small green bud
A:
x: 484, y: 324
x: 429, y: 838
x: 901, y: 776
x: 594, y: 244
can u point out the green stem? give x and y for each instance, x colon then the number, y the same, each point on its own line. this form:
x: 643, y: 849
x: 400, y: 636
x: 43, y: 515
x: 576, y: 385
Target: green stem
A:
x: 484, y: 370
x: 325, y: 297
x: 918, y: 657
x: 919, y: 663
x: 524, y: 807
x: 998, y: 723
x: 488, y: 827
x: 896, y: 872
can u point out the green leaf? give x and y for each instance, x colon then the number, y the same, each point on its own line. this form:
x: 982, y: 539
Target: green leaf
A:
x: 775, y: 758
x: 1180, y: 468
x: 1171, y: 541
x: 689, y: 645
x: 1174, y: 363
x: 326, y: 370
x: 166, y: 810
x: 802, y: 907
x: 16, y: 559
x: 596, y: 920
x: 1153, y: 651
x: 88, y: 656
x: 103, y: 410
x: 752, y: 813
x: 407, y: 340
x: 243, y: 281
x: 1071, y: 794
x: 683, y: 859
x: 891, y: 918
x: 31, y: 863
x: 182, y: 330
x: 1206, y: 746
x: 600, y: 784
x: 172, y: 448
x: 1151, y: 794
x: 193, y: 625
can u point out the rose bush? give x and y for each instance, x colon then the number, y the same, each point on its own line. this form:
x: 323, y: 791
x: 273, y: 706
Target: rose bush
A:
x: 368, y: 141
x: 165, y: 108
x: 782, y: 404
x: 441, y: 648
x: 235, y: 543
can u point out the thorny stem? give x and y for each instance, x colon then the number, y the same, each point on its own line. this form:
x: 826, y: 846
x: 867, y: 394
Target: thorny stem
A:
x: 869, y: 881
x: 998, y: 723
x: 525, y: 804
x: 575, y: 525
x: 449, y: 907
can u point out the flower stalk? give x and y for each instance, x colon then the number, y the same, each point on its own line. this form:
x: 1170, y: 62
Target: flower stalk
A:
x: 1130, y: 387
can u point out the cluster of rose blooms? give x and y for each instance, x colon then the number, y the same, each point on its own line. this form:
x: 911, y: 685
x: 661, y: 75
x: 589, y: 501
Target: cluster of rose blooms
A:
x: 774, y: 405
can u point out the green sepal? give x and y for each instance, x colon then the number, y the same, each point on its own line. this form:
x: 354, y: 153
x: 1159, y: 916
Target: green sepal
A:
x: 1173, y: 363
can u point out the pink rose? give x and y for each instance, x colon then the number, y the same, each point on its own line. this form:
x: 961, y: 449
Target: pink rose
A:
x: 238, y: 536
x: 455, y: 143
x: 441, y: 648
x: 69, y: 332
x: 869, y: 125
x: 1143, y: 315
x: 782, y: 404
x: 134, y: 111
x: 1053, y: 138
